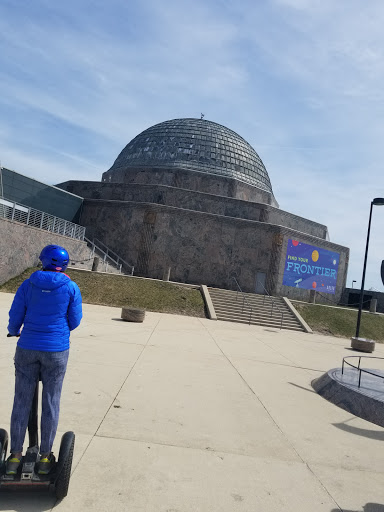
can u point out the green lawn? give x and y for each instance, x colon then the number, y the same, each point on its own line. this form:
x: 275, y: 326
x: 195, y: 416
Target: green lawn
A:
x: 118, y: 291
x: 341, y: 322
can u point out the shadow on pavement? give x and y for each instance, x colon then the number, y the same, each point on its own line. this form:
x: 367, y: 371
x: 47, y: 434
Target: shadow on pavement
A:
x: 33, y: 501
x: 369, y: 507
x: 370, y: 434
x: 301, y: 387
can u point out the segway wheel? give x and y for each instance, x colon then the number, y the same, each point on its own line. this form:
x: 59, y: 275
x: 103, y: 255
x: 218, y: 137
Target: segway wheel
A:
x: 3, y: 446
x: 64, y: 465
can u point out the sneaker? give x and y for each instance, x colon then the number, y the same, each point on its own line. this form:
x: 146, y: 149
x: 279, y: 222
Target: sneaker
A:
x: 46, y: 464
x: 12, y: 465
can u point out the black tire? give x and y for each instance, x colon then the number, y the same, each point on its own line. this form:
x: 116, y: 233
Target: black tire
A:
x: 3, y: 446
x: 64, y: 465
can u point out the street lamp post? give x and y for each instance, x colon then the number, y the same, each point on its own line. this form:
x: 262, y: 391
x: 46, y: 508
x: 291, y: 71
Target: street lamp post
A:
x: 379, y: 201
x: 353, y: 282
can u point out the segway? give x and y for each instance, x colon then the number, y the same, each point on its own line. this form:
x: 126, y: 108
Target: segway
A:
x: 27, y: 477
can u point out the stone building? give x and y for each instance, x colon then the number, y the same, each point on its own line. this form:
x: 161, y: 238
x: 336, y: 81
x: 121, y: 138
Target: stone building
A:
x: 194, y: 197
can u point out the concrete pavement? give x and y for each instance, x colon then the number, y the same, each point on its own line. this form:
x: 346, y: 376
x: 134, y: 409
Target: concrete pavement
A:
x: 182, y: 414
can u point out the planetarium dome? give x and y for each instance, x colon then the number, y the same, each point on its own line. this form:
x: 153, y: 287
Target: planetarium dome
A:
x: 196, y: 145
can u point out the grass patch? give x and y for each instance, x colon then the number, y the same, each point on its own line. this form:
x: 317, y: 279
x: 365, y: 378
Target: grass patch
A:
x: 341, y: 322
x: 118, y: 291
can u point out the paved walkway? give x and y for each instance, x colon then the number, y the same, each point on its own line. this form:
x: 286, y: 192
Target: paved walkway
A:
x: 181, y: 414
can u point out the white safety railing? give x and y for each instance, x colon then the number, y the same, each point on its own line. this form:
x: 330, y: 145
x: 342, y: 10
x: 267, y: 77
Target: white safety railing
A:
x: 20, y: 213
x: 109, y: 257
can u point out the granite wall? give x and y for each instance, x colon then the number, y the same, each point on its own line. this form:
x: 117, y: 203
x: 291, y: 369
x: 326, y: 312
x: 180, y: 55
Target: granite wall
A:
x: 190, y: 180
x: 20, y: 247
x: 200, y: 247
x: 197, y: 201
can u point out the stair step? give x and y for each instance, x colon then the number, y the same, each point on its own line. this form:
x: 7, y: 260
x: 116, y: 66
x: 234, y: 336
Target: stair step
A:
x: 261, y: 323
x: 250, y: 300
x: 255, y: 313
x: 257, y: 321
x: 230, y: 293
x: 233, y: 306
x: 260, y: 304
x: 255, y: 307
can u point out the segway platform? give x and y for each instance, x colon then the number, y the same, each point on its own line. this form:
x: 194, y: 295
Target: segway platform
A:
x: 27, y: 477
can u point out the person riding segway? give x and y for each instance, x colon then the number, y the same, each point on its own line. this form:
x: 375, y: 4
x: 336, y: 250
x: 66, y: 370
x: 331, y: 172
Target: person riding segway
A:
x: 48, y: 305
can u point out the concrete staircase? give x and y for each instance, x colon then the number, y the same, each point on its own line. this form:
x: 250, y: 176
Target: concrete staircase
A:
x: 254, y: 309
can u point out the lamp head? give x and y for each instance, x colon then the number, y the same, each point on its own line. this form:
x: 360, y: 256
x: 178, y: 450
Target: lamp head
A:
x: 378, y: 201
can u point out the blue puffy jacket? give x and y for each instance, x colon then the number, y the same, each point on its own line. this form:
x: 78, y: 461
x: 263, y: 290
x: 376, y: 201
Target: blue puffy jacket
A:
x: 49, y: 305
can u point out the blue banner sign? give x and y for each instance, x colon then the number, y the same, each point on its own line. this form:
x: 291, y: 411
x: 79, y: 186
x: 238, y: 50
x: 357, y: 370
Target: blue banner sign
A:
x: 311, y: 268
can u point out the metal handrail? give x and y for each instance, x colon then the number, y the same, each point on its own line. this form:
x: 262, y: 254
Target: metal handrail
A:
x: 360, y: 370
x: 109, y: 251
x: 106, y: 254
x: 273, y: 304
x: 244, y: 299
x: 31, y: 217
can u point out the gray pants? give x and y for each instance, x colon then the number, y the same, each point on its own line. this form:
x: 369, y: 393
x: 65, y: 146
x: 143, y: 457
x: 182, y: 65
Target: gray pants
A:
x: 29, y: 364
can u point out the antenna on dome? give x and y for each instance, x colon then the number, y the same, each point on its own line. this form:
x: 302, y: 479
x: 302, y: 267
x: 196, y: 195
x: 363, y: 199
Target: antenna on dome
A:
x: 202, y: 116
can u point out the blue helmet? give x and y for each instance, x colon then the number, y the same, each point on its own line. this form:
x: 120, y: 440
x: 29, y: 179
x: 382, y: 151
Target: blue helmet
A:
x: 54, y: 257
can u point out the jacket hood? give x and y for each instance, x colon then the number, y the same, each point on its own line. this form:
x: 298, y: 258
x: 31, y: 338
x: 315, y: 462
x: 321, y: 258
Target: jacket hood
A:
x: 48, y: 280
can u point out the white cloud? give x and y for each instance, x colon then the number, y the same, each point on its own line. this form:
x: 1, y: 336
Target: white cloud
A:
x: 300, y: 80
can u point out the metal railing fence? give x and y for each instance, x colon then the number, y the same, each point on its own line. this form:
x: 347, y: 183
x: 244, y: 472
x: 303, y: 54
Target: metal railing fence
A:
x: 250, y: 307
x: 359, y: 369
x: 244, y: 299
x: 108, y: 256
x: 273, y: 305
x: 26, y: 215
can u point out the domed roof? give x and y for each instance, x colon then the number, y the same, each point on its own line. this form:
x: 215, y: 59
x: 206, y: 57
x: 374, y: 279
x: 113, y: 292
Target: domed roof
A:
x: 196, y: 145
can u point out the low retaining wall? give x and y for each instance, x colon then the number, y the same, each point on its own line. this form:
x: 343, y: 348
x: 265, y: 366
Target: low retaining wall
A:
x: 20, y: 247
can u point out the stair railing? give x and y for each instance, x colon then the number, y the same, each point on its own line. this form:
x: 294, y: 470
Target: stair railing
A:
x: 113, y: 258
x: 244, y: 299
x: 118, y: 258
x: 274, y: 304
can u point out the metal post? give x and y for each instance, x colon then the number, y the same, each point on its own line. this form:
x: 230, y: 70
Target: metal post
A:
x: 373, y: 306
x: 33, y: 422
x: 13, y: 211
x: 363, y: 277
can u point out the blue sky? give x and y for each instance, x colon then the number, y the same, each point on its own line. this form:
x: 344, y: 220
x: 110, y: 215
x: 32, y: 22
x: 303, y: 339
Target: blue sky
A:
x: 300, y: 80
